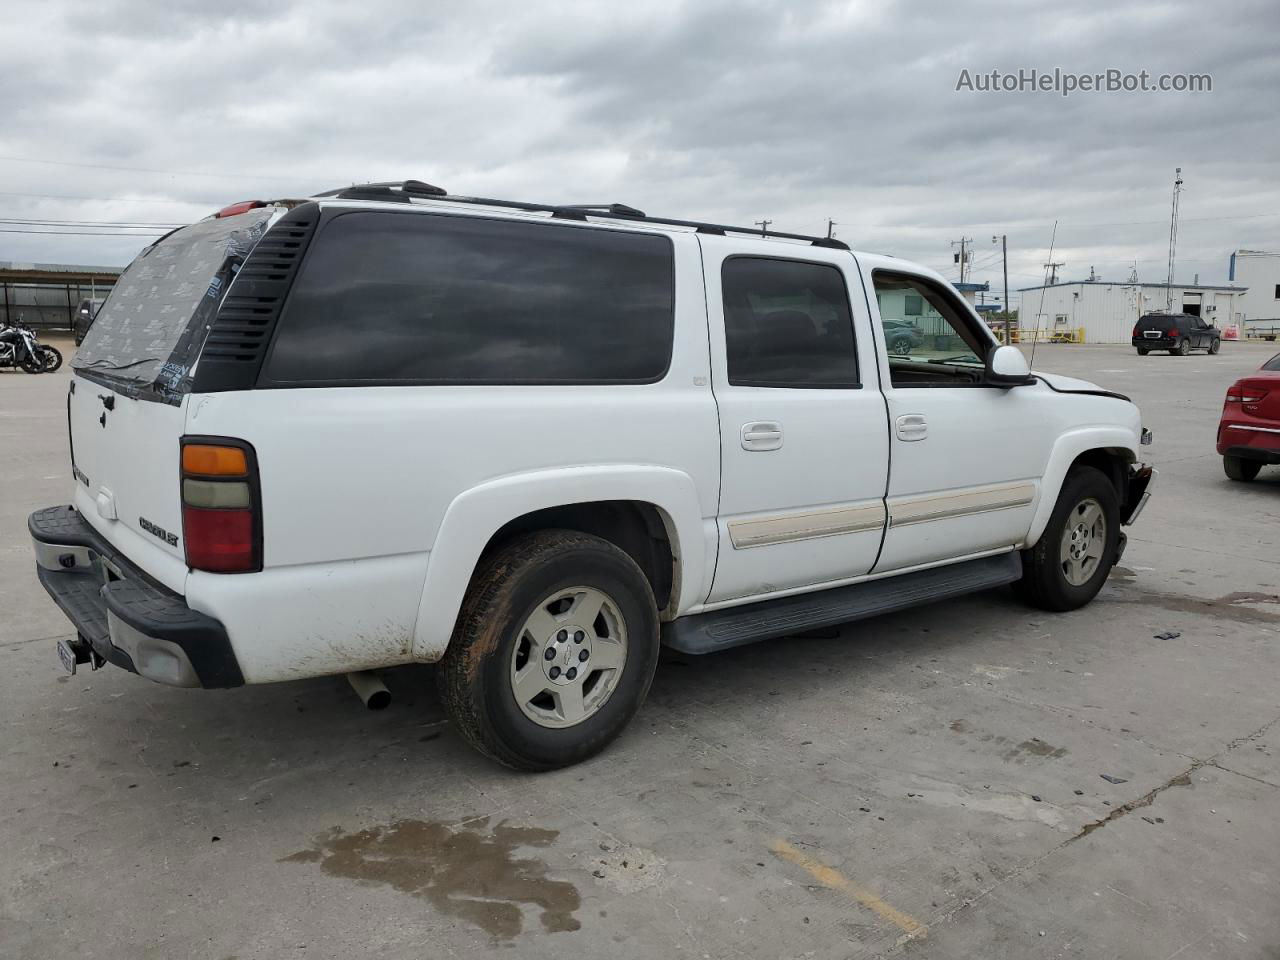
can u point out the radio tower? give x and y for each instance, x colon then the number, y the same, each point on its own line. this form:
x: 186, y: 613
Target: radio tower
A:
x: 1173, y: 239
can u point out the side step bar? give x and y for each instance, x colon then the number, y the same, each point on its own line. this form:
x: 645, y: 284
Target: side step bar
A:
x: 722, y: 629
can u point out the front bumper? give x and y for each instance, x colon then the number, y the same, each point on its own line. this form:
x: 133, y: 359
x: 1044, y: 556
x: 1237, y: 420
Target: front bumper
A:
x: 121, y: 615
x: 1137, y: 492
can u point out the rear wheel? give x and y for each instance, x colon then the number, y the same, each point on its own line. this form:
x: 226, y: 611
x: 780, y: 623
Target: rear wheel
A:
x: 1069, y: 564
x: 1238, y: 468
x: 900, y: 346
x: 554, y: 651
x: 1143, y: 351
x: 1184, y: 347
x: 1215, y: 346
x: 32, y: 364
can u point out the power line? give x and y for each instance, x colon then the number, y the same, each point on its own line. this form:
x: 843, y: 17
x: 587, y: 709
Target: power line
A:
x: 19, y: 221
x: 80, y: 233
x: 178, y: 173
x: 62, y: 196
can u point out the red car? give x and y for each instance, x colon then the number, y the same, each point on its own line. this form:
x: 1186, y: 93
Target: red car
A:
x: 1249, y: 432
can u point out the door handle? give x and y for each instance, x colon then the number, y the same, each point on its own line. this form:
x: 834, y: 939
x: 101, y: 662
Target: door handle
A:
x: 912, y: 426
x: 762, y: 435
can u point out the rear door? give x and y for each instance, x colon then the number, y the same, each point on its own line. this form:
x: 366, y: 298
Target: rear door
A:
x: 804, y: 439
x: 127, y: 406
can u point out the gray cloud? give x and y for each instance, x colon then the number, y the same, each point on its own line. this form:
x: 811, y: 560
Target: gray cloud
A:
x: 711, y: 109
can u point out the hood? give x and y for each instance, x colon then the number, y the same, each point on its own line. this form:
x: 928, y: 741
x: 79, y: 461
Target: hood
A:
x: 1068, y: 383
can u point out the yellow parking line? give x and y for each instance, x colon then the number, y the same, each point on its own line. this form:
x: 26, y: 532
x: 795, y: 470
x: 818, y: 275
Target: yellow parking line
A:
x: 834, y: 879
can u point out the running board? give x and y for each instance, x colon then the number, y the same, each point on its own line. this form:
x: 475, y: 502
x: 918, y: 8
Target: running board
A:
x: 735, y: 626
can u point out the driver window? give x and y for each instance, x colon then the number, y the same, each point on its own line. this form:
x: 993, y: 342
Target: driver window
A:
x: 930, y: 339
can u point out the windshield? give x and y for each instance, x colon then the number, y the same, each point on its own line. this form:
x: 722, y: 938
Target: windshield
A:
x: 154, y: 321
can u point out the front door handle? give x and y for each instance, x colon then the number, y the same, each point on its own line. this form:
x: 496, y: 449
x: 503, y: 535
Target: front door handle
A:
x: 912, y: 426
x: 762, y: 435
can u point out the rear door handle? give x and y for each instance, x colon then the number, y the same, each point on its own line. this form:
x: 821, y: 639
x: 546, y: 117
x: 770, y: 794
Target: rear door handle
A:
x: 912, y: 426
x: 762, y: 435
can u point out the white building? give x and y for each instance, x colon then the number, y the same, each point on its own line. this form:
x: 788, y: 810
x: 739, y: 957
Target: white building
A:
x: 1107, y: 312
x: 1259, y: 271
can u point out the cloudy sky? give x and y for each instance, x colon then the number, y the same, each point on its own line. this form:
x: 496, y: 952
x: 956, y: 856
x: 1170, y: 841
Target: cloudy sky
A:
x: 136, y: 112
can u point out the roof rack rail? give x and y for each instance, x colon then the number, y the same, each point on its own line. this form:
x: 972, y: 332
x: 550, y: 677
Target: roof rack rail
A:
x: 405, y: 191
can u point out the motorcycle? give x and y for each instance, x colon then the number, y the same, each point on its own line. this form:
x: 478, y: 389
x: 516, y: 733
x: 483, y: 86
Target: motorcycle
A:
x: 20, y: 348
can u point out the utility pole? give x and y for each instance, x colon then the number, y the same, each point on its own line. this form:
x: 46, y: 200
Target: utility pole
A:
x: 1093, y: 276
x: 1053, y: 271
x: 963, y: 257
x: 1004, y: 261
x: 1173, y: 238
x: 831, y: 228
x: 764, y: 226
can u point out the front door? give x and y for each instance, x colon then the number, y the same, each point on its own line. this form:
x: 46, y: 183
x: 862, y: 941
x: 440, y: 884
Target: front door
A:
x: 804, y: 439
x: 967, y: 458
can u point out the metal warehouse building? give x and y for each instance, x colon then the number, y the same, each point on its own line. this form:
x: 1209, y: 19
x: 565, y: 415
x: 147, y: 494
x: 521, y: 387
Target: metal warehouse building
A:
x: 1106, y: 312
x: 1259, y: 272
x: 44, y: 295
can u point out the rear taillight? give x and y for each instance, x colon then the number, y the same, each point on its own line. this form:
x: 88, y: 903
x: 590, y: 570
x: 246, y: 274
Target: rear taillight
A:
x: 221, y: 505
x: 1135, y: 329
x: 1239, y: 394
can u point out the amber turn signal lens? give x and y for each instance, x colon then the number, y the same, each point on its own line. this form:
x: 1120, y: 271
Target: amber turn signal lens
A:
x: 207, y: 460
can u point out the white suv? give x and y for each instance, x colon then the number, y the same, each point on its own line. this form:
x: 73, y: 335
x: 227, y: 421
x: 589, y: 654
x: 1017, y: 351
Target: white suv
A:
x: 532, y: 442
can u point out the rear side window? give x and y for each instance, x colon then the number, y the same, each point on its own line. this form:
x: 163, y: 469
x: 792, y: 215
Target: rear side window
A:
x: 417, y: 298
x: 1273, y: 363
x: 787, y: 324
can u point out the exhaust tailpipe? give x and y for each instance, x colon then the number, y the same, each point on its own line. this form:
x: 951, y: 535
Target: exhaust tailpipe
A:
x: 370, y: 689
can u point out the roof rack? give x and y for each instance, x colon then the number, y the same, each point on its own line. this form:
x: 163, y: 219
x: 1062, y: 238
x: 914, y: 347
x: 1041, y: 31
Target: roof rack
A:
x: 404, y: 192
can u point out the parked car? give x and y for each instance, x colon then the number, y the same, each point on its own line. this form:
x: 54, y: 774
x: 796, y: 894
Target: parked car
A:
x: 1249, y: 431
x: 83, y: 318
x: 1178, y: 333
x: 901, y: 336
x: 531, y: 442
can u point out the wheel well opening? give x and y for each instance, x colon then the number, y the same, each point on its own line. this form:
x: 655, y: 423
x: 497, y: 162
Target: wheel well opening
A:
x: 635, y: 527
x: 1112, y: 463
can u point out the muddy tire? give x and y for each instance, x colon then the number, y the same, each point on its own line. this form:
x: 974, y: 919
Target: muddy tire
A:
x: 1216, y: 347
x: 1183, y: 348
x: 1070, y: 562
x: 1238, y: 468
x: 554, y: 650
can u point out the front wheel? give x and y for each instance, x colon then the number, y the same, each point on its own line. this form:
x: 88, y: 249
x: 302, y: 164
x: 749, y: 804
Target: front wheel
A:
x: 51, y: 356
x: 901, y: 346
x: 1238, y: 468
x: 1215, y: 346
x: 1069, y: 564
x: 554, y: 650
x: 32, y: 364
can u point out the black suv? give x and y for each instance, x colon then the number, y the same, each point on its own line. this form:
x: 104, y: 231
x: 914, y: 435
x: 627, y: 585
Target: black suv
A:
x: 1178, y: 333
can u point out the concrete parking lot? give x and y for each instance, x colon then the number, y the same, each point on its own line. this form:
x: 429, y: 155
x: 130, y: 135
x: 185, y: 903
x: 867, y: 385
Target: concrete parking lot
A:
x: 971, y: 779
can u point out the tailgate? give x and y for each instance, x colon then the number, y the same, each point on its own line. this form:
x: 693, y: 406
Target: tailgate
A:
x: 125, y: 455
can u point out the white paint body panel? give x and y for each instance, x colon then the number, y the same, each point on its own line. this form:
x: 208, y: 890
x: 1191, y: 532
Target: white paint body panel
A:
x: 377, y: 501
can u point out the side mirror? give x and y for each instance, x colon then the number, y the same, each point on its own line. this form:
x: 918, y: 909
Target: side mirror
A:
x: 1007, y: 367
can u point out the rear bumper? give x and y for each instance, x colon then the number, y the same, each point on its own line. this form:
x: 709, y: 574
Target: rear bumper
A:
x: 1260, y: 454
x: 1253, y: 441
x: 126, y: 618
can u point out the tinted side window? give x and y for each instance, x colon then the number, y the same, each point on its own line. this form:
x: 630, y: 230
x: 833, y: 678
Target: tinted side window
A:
x: 787, y: 324
x: 412, y: 298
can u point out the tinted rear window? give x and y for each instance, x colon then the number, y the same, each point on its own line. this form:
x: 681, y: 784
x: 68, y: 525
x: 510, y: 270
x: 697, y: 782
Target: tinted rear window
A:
x: 417, y: 298
x: 1273, y: 363
x: 1159, y: 321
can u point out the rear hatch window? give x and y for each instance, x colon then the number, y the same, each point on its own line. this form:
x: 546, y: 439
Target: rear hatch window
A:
x: 149, y: 332
x: 1161, y: 322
